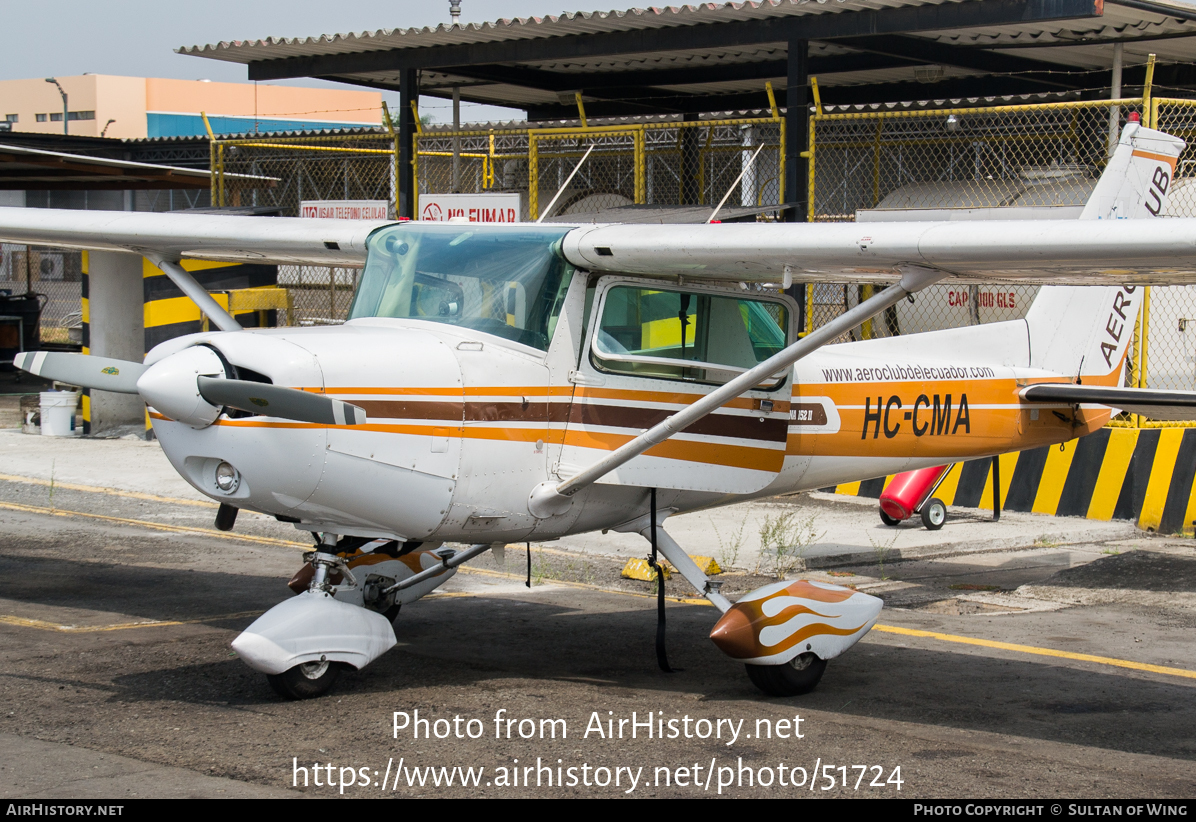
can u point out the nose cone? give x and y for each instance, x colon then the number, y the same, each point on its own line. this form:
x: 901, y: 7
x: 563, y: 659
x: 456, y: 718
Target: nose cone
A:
x: 734, y: 636
x: 171, y: 386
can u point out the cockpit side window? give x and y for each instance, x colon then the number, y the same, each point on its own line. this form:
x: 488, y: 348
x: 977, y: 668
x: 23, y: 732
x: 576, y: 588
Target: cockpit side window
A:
x: 695, y: 336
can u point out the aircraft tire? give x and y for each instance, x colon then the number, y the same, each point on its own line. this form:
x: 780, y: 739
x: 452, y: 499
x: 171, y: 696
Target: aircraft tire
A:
x: 887, y: 520
x: 798, y: 676
x: 934, y: 514
x: 305, y: 681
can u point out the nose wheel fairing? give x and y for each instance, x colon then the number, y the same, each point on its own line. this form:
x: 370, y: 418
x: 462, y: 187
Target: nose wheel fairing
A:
x: 314, y: 627
x: 777, y: 623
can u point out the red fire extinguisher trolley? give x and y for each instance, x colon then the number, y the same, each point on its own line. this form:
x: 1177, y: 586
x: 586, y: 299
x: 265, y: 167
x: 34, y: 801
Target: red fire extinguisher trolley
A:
x: 912, y: 492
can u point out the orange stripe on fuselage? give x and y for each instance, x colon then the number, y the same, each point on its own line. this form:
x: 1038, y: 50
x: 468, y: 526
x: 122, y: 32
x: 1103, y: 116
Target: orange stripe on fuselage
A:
x: 899, y: 419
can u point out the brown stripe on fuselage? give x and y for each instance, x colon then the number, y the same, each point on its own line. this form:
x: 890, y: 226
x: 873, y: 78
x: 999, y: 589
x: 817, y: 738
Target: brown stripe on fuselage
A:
x: 780, y: 402
x: 714, y: 425
x: 409, y: 409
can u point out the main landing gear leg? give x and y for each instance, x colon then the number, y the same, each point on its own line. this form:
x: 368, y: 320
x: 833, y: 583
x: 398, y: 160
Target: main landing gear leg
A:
x: 676, y: 555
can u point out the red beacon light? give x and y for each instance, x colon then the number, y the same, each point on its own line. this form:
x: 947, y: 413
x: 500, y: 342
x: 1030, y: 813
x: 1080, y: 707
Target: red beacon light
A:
x: 1135, y: 117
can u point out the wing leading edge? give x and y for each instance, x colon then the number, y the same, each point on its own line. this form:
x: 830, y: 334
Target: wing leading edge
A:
x: 1083, y: 252
x: 195, y: 236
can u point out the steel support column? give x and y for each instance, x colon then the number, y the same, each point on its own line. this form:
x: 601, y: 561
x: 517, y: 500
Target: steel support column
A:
x: 408, y: 94
x: 797, y: 131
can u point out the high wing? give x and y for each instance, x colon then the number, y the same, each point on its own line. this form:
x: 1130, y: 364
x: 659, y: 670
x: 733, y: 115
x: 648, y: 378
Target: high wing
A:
x: 1085, y: 252
x: 1077, y: 252
x: 195, y: 236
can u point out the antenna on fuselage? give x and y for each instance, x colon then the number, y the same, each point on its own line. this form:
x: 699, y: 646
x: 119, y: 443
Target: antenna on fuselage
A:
x: 568, y: 180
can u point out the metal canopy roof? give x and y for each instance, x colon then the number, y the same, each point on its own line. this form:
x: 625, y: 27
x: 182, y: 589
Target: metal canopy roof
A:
x: 717, y: 56
x: 35, y: 169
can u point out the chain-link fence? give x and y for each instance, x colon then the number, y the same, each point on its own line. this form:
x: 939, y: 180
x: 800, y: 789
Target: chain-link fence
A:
x: 689, y: 163
x: 1030, y: 157
x: 54, y: 273
x: 312, y: 169
x: 356, y: 166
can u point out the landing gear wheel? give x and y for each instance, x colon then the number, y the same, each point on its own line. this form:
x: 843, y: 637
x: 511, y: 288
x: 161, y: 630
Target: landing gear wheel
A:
x: 799, y: 675
x: 887, y: 520
x: 306, y: 680
x: 934, y: 514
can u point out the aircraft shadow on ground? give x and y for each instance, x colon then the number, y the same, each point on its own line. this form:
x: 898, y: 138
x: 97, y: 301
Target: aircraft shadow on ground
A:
x: 463, y: 642
x: 572, y: 635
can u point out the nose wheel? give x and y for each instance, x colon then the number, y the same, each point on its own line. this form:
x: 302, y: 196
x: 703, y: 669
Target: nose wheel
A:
x: 799, y: 675
x: 306, y: 680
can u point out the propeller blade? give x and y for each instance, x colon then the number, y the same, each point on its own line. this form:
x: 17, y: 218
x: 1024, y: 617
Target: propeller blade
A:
x: 101, y: 373
x: 277, y: 401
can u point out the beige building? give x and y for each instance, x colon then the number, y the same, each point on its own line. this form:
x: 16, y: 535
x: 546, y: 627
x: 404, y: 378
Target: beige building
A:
x: 139, y: 107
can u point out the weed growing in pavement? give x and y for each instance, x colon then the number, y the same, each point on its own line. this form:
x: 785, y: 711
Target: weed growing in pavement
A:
x: 783, y: 543
x: 882, y: 550
x: 540, y: 568
x: 728, y: 551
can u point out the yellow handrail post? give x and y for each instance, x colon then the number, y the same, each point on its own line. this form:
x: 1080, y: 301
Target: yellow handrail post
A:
x: 533, y: 177
x: 640, y: 165
x: 817, y: 96
x: 772, y: 101
x: 1147, y: 102
x: 809, y: 308
x: 1143, y: 368
x: 215, y: 163
x: 488, y: 165
x: 809, y: 155
x: 581, y: 109
x: 781, y: 165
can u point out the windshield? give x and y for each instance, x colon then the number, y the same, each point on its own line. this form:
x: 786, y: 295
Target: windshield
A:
x: 498, y: 280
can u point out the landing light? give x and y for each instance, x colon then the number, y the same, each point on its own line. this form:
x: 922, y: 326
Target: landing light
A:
x: 228, y: 479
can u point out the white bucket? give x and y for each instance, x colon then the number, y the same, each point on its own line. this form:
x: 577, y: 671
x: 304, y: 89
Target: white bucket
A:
x: 58, y: 413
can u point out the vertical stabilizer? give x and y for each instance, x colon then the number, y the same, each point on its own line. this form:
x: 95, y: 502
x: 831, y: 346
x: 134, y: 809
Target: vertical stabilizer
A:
x: 1085, y: 331
x: 1138, y: 177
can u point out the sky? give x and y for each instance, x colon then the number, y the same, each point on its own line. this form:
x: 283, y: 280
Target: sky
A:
x: 137, y: 38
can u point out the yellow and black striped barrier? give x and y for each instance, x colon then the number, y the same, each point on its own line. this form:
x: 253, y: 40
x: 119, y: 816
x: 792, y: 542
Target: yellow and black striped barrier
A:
x: 1142, y: 474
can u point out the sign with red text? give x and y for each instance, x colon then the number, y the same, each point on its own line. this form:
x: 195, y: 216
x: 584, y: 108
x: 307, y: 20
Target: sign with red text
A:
x: 346, y: 209
x: 472, y: 208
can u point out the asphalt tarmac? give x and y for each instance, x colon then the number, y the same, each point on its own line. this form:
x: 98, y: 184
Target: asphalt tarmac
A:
x: 1041, y: 667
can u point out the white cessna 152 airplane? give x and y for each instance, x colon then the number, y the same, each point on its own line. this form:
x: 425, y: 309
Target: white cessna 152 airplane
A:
x: 503, y: 383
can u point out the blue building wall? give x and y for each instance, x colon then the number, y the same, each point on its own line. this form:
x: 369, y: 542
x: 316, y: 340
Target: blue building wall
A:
x: 191, y: 125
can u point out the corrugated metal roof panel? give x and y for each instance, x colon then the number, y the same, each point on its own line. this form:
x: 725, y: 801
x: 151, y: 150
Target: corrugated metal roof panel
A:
x: 520, y: 28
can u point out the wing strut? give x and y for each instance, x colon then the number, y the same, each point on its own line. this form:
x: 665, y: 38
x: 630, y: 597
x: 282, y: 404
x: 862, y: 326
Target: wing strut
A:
x: 198, y: 294
x: 552, y: 498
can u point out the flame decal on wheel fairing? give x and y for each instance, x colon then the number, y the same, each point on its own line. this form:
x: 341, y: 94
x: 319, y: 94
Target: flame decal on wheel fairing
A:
x: 769, y: 625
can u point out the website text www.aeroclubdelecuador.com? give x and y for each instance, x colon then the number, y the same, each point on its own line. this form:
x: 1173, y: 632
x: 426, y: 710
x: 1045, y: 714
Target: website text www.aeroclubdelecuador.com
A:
x: 715, y: 774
